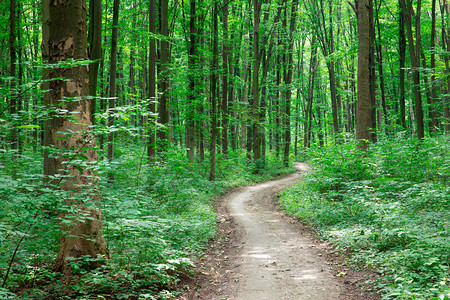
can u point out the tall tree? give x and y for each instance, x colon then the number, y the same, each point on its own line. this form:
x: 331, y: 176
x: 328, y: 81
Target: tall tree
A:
x: 214, y: 67
x: 402, y: 59
x: 95, y: 49
x: 288, y: 81
x: 363, y: 110
x: 66, y: 133
x: 414, y: 50
x: 151, y: 146
x: 255, y: 84
x: 163, y: 113
x: 225, y: 79
x: 112, y: 78
x: 192, y: 93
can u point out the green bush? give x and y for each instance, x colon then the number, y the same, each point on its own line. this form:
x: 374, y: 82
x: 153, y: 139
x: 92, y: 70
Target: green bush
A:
x: 390, y: 207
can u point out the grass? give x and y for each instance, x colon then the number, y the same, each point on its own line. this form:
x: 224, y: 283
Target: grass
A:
x: 390, y: 207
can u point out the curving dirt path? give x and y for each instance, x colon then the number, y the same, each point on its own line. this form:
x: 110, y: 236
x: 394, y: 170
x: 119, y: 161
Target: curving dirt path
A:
x: 263, y: 254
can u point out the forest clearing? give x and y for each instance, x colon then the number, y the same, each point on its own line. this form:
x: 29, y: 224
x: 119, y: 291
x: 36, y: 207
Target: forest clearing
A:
x: 152, y: 149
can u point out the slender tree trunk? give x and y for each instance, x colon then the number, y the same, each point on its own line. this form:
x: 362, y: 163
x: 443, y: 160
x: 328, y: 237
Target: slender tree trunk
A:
x: 150, y: 122
x: 95, y: 50
x: 402, y: 59
x: 112, y: 79
x: 379, y: 48
x: 215, y: 63
x: 446, y: 45
x: 163, y: 113
x: 66, y: 133
x: 309, y: 99
x: 192, y: 92
x: 12, y: 70
x: 288, y: 81
x: 225, y: 80
x: 414, y: 57
x: 434, y: 124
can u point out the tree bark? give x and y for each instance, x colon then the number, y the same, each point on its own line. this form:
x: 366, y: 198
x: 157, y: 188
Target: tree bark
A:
x: 112, y: 80
x: 414, y: 57
x: 150, y: 122
x: 363, y: 111
x: 288, y: 81
x: 402, y: 59
x: 163, y: 113
x: 215, y: 63
x: 192, y: 93
x: 255, y: 85
x: 225, y: 80
x: 95, y: 47
x: 66, y: 134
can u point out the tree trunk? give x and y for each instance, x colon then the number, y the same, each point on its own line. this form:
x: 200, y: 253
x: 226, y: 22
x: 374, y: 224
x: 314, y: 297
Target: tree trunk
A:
x: 192, y: 93
x: 446, y: 45
x: 64, y: 38
x: 95, y: 47
x: 255, y: 85
x: 288, y: 81
x: 225, y: 80
x: 308, y: 110
x: 402, y: 59
x: 163, y: 113
x: 150, y: 122
x: 12, y: 71
x: 215, y: 63
x: 112, y: 79
x: 363, y: 112
x: 434, y: 124
x: 414, y: 57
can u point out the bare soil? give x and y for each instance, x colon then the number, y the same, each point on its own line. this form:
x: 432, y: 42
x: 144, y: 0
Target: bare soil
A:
x: 261, y: 253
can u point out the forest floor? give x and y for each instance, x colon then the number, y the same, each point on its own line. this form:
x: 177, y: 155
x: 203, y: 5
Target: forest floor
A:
x: 261, y: 253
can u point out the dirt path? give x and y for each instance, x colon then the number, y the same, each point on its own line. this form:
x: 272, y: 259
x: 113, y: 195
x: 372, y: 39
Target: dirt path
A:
x: 265, y: 255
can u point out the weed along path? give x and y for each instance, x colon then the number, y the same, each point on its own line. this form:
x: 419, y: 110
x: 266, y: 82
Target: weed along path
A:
x: 264, y: 254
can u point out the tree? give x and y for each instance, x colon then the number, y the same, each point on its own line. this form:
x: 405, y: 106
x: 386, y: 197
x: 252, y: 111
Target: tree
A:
x: 255, y: 85
x: 151, y: 146
x: 163, y: 113
x: 112, y: 78
x: 414, y: 50
x: 363, y: 110
x: 95, y: 49
x: 69, y: 143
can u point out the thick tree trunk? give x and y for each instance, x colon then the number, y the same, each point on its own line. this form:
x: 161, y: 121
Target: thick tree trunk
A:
x: 255, y: 85
x: 363, y: 111
x: 66, y: 133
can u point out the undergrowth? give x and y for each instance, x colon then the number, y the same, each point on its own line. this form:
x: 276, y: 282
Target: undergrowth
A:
x: 390, y: 208
x: 157, y: 218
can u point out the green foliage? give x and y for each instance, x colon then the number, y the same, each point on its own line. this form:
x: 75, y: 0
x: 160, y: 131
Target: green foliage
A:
x: 158, y: 217
x: 390, y: 208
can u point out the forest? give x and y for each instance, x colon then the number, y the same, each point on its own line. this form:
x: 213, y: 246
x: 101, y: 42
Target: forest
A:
x: 123, y: 121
